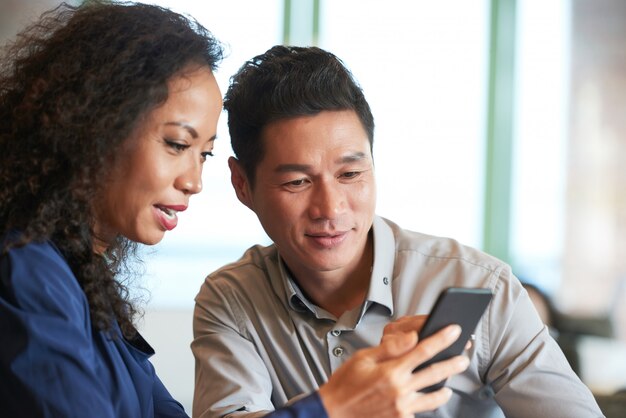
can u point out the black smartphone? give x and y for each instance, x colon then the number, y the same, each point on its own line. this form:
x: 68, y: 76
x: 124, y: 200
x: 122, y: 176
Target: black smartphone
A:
x: 455, y: 305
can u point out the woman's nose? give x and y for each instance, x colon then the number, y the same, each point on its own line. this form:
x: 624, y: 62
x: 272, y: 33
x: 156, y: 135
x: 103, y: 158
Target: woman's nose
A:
x: 190, y: 181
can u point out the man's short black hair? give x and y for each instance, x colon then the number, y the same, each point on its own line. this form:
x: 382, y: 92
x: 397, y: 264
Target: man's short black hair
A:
x: 287, y: 82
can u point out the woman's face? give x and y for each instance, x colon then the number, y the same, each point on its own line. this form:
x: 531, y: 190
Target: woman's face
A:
x: 159, y: 167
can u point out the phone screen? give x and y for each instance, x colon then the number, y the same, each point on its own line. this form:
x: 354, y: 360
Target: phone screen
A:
x: 455, y: 305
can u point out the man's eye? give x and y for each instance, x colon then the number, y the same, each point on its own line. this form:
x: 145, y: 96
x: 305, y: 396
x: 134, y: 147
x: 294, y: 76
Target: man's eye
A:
x: 298, y: 182
x: 351, y: 174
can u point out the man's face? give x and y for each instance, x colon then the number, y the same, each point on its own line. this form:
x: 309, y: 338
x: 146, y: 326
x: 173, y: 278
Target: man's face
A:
x: 315, y: 191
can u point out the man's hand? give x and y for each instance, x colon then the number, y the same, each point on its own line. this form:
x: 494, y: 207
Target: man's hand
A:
x: 404, y: 324
x: 379, y: 382
x: 412, y: 323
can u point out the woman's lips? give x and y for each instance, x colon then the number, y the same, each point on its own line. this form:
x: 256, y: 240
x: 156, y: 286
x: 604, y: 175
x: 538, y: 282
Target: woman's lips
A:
x: 167, y: 215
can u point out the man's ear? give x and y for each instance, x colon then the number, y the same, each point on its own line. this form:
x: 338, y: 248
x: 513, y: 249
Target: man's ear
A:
x: 240, y: 183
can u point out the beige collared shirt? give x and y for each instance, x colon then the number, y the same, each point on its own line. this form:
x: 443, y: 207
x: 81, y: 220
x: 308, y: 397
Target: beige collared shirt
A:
x: 259, y: 343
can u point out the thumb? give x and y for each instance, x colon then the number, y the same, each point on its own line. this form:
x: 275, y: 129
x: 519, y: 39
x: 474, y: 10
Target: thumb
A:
x: 395, y: 345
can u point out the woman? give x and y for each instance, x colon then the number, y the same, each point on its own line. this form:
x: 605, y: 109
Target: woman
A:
x: 107, y: 113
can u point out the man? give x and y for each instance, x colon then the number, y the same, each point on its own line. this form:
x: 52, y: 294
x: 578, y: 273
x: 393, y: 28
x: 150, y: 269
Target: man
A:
x: 276, y: 324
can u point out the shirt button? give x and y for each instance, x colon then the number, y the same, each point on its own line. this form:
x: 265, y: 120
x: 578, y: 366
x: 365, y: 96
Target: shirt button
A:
x: 385, y: 280
x: 486, y: 392
x: 335, y: 333
x: 338, y: 351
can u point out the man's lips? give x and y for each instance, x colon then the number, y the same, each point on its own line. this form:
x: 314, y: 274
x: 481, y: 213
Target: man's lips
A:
x: 327, y: 240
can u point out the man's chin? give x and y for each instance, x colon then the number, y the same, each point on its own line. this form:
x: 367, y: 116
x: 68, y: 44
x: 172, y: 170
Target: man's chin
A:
x: 328, y: 266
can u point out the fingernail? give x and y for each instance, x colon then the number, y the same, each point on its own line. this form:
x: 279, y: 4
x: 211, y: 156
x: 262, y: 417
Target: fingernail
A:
x: 463, y: 361
x: 454, y: 331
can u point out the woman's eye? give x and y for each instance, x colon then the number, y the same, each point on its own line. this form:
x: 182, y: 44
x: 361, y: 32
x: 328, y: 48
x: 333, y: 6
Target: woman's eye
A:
x: 177, y: 146
x: 206, y: 154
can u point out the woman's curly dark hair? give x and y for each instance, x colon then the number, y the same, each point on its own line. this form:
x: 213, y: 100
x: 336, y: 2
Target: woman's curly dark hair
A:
x: 72, y: 88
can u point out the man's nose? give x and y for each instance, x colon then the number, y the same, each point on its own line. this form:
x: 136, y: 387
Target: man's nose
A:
x: 328, y: 201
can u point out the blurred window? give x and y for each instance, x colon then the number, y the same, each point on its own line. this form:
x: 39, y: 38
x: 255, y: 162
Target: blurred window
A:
x: 216, y: 229
x: 422, y: 67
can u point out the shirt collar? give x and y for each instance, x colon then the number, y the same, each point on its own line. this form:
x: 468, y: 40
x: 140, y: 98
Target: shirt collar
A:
x: 382, y: 270
x: 295, y: 297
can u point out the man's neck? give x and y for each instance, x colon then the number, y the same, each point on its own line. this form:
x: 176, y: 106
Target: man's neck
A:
x: 339, y: 291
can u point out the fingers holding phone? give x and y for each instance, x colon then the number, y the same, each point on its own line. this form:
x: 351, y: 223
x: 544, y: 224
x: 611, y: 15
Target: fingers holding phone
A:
x: 413, y: 400
x: 429, y: 348
x: 413, y: 323
x: 380, y: 382
x: 403, y: 375
x: 455, y: 305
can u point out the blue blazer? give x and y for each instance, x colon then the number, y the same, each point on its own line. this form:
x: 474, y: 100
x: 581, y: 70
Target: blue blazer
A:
x: 54, y: 364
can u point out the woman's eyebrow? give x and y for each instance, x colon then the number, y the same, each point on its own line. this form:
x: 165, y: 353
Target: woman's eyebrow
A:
x: 189, y: 128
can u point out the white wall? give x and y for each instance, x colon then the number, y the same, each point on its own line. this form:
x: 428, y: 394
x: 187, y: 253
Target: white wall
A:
x: 169, y: 332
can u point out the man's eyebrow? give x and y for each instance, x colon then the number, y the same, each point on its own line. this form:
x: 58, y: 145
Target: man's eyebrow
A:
x: 189, y: 128
x: 287, y: 168
x: 350, y: 158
